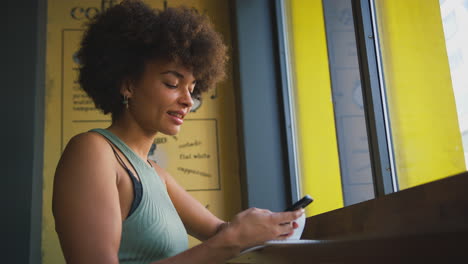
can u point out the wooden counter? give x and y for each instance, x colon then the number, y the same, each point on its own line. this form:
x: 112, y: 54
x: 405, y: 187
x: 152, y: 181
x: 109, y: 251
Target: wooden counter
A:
x: 424, y: 224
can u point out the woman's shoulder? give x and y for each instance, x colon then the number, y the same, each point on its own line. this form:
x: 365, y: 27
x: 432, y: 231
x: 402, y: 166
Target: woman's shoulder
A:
x: 88, y: 139
x: 87, y: 145
x: 86, y: 154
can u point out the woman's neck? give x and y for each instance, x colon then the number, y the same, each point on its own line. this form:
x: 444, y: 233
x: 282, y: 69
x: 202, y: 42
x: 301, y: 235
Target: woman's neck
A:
x: 133, y: 135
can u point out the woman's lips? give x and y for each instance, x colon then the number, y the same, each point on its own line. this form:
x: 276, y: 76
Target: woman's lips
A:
x: 176, y: 118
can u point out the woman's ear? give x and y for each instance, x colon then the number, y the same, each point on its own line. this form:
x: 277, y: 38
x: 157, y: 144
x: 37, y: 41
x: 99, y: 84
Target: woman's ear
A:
x: 127, y: 89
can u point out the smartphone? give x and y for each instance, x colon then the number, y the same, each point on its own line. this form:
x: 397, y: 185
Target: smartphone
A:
x: 302, y: 203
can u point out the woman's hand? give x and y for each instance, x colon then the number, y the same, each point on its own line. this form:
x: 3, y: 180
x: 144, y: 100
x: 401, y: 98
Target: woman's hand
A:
x: 249, y: 228
x: 255, y: 226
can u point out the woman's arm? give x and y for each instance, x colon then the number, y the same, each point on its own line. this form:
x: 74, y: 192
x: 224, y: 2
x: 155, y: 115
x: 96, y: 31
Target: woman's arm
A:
x: 86, y: 204
x: 249, y: 228
x: 198, y: 220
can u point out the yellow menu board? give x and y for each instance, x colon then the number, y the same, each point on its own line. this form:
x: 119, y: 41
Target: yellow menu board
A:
x: 203, y: 157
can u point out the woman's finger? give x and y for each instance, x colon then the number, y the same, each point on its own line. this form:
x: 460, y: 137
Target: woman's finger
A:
x: 287, y: 217
x: 285, y: 235
x: 295, y: 225
x: 286, y: 229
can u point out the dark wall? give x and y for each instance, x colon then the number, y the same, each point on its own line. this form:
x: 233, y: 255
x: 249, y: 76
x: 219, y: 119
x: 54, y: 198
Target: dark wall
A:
x: 22, y: 86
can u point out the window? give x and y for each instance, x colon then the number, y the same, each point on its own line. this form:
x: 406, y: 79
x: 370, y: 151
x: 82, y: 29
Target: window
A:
x: 381, y: 95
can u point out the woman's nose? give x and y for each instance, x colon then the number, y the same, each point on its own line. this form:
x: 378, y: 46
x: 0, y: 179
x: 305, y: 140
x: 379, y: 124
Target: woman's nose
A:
x: 186, y: 99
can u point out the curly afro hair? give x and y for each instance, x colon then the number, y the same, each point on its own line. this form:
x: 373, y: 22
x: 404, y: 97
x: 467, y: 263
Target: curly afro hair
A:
x: 119, y: 42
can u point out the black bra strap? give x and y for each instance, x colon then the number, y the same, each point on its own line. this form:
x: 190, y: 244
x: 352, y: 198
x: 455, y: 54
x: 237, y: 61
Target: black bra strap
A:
x: 137, y: 186
x: 119, y: 159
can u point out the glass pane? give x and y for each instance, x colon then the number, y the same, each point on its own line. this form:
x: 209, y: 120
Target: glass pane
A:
x: 426, y: 106
x: 350, y: 120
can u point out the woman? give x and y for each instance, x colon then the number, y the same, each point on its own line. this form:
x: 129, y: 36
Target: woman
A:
x: 110, y: 203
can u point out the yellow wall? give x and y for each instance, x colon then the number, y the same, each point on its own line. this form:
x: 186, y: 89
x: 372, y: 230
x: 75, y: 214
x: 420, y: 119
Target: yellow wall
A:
x: 426, y: 136
x: 315, y: 118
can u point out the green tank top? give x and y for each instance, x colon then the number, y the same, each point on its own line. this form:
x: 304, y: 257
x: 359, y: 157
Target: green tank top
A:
x: 154, y: 231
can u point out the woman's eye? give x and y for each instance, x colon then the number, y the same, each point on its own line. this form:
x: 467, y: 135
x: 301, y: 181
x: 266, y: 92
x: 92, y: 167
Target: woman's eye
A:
x: 170, y: 86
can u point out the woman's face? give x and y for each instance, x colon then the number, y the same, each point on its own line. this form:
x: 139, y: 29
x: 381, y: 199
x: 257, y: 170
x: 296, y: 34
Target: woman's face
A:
x: 162, y: 97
